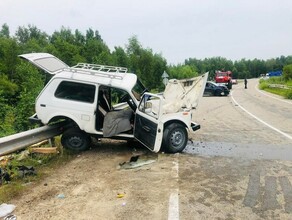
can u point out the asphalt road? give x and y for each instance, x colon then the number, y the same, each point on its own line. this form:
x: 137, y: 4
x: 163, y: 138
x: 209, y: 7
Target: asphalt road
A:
x: 237, y: 166
x: 247, y: 138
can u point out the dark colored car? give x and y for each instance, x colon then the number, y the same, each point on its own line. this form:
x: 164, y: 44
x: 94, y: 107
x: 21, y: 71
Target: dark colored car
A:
x: 213, y: 89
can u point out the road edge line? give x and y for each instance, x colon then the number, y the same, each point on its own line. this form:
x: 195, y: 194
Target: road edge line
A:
x: 260, y: 120
x: 256, y: 87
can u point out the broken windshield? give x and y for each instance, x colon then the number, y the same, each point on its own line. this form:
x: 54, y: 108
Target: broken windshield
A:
x: 138, y: 90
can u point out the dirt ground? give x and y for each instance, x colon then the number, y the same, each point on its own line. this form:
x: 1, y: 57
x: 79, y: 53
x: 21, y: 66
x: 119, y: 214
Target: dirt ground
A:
x: 171, y: 186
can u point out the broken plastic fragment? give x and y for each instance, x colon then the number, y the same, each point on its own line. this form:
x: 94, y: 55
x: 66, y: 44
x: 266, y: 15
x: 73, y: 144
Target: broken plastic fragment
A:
x: 6, y: 209
x: 120, y: 195
x: 138, y: 161
x: 61, y: 196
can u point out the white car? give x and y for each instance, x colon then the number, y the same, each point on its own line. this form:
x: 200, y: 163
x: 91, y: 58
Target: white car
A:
x: 234, y: 81
x: 107, y: 101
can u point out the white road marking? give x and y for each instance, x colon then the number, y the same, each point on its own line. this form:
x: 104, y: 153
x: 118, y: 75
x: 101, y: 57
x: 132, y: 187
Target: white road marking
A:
x: 173, y: 207
x: 260, y: 120
x: 173, y: 204
x: 282, y: 100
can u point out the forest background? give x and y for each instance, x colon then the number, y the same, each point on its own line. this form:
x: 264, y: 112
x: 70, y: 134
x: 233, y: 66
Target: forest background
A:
x: 20, y: 82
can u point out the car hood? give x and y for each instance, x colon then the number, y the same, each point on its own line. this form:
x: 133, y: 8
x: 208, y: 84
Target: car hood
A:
x: 45, y: 61
x: 184, y: 93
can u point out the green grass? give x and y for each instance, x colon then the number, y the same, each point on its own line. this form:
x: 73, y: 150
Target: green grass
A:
x: 286, y: 93
x: 44, y: 164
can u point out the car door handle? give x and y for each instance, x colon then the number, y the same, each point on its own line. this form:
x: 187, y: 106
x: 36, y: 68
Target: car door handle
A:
x: 146, y: 128
x: 42, y: 105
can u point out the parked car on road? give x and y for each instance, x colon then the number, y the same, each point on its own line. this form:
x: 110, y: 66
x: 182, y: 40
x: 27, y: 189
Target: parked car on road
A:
x: 213, y: 89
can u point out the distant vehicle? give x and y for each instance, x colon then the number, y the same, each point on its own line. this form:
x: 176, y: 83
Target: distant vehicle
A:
x: 213, y: 89
x: 274, y: 73
x: 224, y: 78
x: 234, y: 81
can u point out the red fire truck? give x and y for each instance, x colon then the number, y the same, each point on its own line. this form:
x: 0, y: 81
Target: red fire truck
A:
x: 224, y: 78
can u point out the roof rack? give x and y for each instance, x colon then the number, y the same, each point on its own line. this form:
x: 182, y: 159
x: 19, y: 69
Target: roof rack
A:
x: 101, y: 70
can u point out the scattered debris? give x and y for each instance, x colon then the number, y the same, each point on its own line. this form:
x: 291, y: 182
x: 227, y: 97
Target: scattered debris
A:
x: 26, y: 170
x: 138, y: 161
x: 120, y: 195
x: 10, y: 217
x: 134, y: 158
x: 40, y: 143
x: 5, y: 159
x: 6, y: 209
x: 4, y: 176
x: 23, y: 155
x: 61, y: 196
x: 44, y: 150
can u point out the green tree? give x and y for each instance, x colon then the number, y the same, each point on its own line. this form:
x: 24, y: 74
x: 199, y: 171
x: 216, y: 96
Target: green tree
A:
x: 4, y: 32
x: 31, y: 85
x: 287, y: 72
x: 64, y: 46
x: 147, y: 65
x: 7, y: 88
x: 120, y: 57
x: 24, y: 34
x: 8, y: 56
x: 182, y: 71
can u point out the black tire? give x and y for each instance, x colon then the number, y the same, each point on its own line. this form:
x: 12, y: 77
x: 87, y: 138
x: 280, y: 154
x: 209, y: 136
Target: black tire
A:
x: 175, y: 138
x: 76, y: 140
x: 219, y: 93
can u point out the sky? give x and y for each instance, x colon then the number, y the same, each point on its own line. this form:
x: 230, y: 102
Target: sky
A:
x: 176, y: 29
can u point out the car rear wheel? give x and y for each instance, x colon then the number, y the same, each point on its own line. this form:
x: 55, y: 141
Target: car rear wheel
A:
x: 76, y: 140
x: 219, y: 93
x: 175, y: 138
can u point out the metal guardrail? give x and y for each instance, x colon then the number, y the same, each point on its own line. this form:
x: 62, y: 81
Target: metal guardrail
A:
x: 280, y: 86
x: 12, y: 143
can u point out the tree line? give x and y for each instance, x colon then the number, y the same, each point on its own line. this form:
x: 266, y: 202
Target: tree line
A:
x: 20, y: 82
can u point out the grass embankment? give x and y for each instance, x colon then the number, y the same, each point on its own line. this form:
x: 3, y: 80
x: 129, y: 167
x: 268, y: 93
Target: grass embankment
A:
x: 265, y: 84
x: 43, y: 164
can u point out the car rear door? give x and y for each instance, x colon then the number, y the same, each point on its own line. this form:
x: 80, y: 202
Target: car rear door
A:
x: 45, y: 61
x: 148, y: 129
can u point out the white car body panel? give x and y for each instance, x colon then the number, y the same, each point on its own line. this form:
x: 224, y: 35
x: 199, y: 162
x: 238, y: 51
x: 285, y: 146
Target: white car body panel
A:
x: 45, y: 61
x: 184, y: 93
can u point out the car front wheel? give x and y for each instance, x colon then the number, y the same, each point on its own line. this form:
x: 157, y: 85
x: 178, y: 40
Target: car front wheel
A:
x: 76, y: 140
x: 175, y: 138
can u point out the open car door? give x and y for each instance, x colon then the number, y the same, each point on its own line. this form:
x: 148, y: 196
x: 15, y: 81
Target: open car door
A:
x: 148, y: 128
x: 45, y: 61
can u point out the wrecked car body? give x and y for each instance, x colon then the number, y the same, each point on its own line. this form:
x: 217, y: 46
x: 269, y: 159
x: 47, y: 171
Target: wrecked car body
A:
x: 107, y: 101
